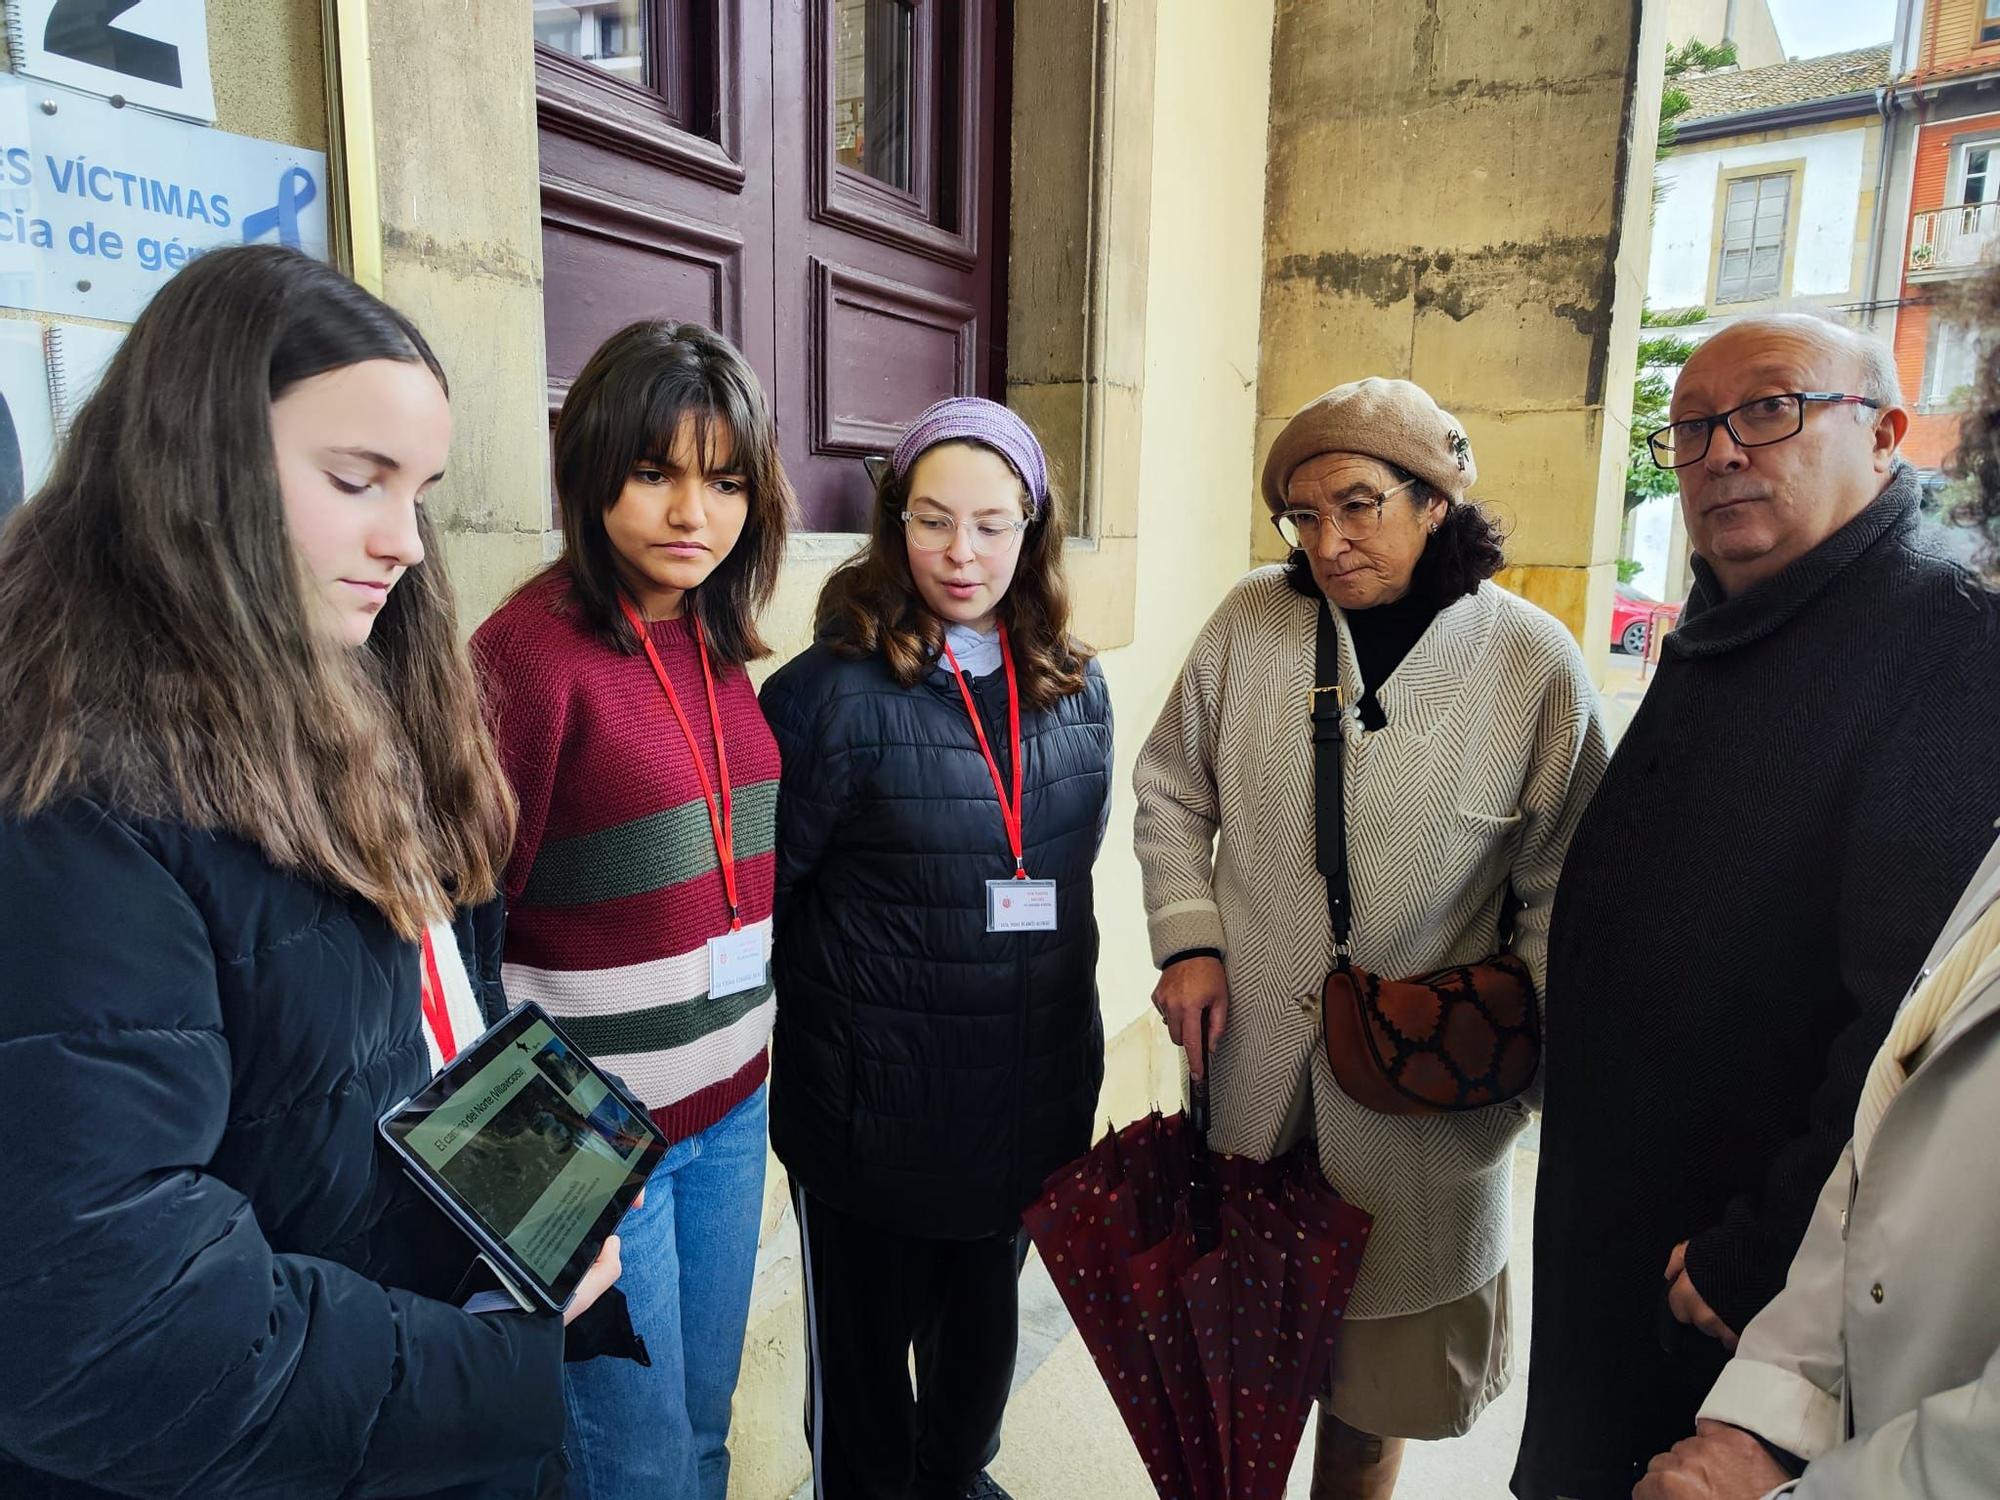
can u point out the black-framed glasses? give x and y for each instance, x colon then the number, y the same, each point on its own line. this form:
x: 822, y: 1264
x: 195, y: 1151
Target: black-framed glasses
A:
x: 1357, y: 519
x: 1754, y: 424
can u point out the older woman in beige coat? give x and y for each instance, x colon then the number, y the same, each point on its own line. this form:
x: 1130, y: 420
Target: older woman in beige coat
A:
x: 1472, y: 743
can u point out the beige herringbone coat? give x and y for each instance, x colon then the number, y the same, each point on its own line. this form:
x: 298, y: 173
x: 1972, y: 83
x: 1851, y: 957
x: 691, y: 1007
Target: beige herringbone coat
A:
x: 1471, y: 792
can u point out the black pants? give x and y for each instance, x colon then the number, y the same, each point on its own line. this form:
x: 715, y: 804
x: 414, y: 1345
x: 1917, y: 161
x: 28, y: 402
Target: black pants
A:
x: 871, y: 1297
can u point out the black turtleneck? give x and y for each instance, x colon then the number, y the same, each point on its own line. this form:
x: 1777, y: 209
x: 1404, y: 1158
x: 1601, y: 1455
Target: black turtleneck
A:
x: 1382, y: 637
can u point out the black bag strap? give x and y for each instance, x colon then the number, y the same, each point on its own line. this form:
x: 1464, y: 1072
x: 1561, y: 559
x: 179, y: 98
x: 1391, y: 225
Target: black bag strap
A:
x: 1329, y: 802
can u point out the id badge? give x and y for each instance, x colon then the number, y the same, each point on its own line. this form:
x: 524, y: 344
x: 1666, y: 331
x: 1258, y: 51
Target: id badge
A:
x: 735, y: 962
x: 1020, y: 906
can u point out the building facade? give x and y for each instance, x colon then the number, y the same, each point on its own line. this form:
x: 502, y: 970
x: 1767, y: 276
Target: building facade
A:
x: 1950, y: 88
x: 1747, y: 23
x: 1154, y: 228
x: 1769, y: 198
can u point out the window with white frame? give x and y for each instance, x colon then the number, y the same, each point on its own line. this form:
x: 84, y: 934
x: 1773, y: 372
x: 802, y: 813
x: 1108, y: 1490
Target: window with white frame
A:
x: 1989, y: 22
x: 1755, y: 211
x: 1978, y: 171
x: 1950, y: 365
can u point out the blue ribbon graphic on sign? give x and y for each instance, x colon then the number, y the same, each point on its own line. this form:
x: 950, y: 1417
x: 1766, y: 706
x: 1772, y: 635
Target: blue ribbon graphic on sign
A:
x: 296, y: 189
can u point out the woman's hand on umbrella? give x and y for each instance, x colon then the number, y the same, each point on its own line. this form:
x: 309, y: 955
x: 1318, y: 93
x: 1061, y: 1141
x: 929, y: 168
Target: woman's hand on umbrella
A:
x: 1192, y: 993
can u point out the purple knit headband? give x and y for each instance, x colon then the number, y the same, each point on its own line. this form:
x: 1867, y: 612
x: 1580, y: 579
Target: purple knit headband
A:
x: 982, y: 421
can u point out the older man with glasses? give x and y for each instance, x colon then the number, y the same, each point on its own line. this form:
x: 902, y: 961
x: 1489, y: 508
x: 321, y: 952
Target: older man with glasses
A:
x: 1812, y: 778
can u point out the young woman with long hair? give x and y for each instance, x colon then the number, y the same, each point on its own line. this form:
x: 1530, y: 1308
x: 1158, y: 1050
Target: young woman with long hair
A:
x: 244, y: 792
x: 947, y: 754
x: 639, y: 891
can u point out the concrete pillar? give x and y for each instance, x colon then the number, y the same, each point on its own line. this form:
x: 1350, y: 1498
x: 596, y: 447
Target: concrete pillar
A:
x: 1457, y: 194
x: 1680, y: 575
x: 452, y: 115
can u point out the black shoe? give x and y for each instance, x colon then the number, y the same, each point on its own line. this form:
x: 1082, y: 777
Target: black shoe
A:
x: 983, y: 1487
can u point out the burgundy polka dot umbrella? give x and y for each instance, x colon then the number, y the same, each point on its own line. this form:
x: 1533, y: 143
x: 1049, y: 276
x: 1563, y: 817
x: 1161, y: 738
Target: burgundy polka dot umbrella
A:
x: 1209, y: 1290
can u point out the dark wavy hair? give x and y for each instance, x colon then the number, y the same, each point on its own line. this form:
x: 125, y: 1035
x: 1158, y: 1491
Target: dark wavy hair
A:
x: 1467, y: 548
x: 156, y: 649
x: 1978, y: 455
x: 626, y: 405
x: 871, y: 602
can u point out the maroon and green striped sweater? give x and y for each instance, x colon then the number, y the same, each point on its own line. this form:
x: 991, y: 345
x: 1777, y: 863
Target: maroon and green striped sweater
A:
x: 614, y: 888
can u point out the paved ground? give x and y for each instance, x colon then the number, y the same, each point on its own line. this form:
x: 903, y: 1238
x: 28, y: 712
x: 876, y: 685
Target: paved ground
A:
x: 1623, y: 688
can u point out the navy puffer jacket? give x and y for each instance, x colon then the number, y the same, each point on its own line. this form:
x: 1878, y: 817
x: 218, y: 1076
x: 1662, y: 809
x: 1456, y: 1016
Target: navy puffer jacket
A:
x: 213, y: 1282
x: 927, y: 1075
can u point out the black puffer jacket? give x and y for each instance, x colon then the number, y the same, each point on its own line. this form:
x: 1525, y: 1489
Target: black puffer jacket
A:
x: 927, y: 1074
x: 212, y: 1281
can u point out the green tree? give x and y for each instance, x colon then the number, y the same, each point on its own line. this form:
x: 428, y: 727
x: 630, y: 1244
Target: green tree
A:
x: 1660, y: 349
x: 1688, y: 58
x: 1663, y: 350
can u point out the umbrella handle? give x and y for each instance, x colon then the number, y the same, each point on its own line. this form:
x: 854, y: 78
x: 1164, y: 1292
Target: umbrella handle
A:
x: 1197, y: 1113
x: 1204, y: 1201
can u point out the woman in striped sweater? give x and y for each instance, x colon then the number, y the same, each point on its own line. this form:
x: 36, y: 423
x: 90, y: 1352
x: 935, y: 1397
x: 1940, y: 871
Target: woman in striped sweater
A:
x: 639, y: 890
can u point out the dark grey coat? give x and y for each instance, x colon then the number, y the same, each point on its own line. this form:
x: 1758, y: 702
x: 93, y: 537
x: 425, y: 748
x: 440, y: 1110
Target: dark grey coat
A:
x: 1812, y: 778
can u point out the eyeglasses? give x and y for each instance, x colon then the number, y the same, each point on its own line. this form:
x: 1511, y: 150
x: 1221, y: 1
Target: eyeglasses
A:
x: 934, y: 533
x: 1355, y: 519
x: 1754, y: 424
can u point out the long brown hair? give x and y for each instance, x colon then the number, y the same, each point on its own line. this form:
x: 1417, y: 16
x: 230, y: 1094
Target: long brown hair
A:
x: 871, y: 603
x: 156, y: 650
x: 627, y: 404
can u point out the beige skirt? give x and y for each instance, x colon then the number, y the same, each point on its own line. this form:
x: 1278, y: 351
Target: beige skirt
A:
x: 1425, y: 1375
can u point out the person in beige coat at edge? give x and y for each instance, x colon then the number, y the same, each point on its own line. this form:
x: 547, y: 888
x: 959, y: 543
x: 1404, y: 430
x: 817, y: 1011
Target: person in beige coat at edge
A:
x: 1875, y: 1374
x: 1472, y: 743
x: 1877, y: 1369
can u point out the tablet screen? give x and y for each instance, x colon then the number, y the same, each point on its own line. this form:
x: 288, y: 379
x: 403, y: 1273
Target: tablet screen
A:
x: 524, y: 1135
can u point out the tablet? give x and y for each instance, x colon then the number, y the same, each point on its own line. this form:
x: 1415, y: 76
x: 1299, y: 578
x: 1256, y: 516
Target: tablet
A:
x: 530, y: 1149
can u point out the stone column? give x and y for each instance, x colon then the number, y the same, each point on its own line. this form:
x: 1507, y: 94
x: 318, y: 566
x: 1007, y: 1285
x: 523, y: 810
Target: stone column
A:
x: 459, y: 193
x: 1457, y: 194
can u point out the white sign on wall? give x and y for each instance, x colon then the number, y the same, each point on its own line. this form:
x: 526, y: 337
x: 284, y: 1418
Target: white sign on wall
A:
x: 100, y: 205
x: 27, y: 424
x: 149, y: 52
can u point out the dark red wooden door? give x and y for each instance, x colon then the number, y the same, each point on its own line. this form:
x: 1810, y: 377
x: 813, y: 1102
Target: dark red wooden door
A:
x: 821, y: 180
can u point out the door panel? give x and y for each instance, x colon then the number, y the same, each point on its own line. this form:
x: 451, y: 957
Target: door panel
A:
x: 885, y: 294
x: 890, y: 350
x: 616, y: 263
x: 814, y: 178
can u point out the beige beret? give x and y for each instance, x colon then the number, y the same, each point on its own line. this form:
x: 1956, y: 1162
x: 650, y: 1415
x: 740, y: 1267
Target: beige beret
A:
x: 1391, y: 420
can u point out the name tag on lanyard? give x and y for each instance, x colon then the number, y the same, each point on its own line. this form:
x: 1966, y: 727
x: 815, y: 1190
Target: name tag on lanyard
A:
x: 735, y: 962
x: 1020, y: 906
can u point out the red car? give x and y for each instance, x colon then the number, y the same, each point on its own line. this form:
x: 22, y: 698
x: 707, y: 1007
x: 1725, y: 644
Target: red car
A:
x: 1631, y: 612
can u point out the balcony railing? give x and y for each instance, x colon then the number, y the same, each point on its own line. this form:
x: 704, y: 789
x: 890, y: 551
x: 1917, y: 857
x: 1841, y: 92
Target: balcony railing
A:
x: 1945, y: 241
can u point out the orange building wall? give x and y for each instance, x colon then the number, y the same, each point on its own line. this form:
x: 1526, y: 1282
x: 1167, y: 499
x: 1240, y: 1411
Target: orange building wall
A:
x: 1933, y: 435
x: 1931, y: 438
x: 1931, y: 176
x: 1951, y: 40
x: 1913, y: 332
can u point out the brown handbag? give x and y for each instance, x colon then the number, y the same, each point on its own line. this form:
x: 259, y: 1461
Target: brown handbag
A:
x: 1458, y: 1039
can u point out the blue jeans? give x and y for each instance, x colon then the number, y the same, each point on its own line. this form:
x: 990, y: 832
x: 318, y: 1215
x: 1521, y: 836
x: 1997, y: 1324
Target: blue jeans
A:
x: 689, y: 1256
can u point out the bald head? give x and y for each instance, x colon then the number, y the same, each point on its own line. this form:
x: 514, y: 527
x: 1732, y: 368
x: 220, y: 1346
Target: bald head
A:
x: 1766, y: 492
x: 1867, y: 362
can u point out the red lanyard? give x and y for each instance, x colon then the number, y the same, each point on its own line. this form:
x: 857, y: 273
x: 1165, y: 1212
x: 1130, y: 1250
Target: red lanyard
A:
x: 1010, y: 813
x: 431, y: 992
x: 720, y: 821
